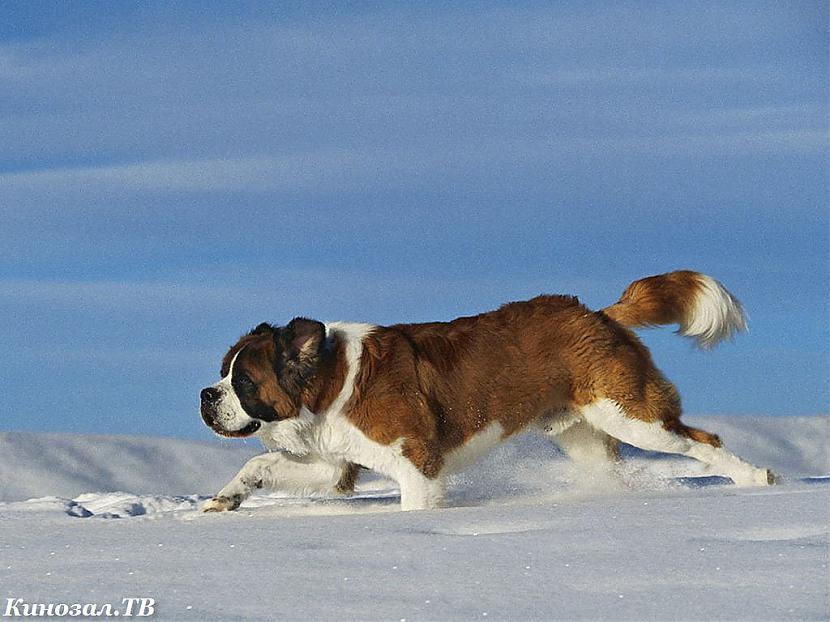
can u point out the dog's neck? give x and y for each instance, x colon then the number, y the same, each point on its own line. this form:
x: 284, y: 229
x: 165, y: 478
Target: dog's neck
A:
x: 328, y: 380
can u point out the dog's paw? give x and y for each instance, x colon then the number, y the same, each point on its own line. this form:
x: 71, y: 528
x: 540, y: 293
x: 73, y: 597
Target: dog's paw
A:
x: 754, y: 477
x: 764, y: 477
x: 221, y: 504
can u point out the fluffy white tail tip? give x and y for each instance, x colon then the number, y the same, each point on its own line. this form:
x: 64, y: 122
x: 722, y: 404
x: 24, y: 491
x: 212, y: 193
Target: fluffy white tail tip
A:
x: 715, y: 316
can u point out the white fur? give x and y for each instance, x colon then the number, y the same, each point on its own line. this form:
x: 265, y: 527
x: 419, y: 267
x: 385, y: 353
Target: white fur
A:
x: 463, y: 456
x: 585, y: 444
x: 557, y: 422
x: 354, y: 334
x: 336, y: 439
x: 324, y: 433
x: 300, y: 475
x: 229, y: 412
x: 418, y: 492
x: 292, y: 435
x: 715, y: 316
x: 608, y: 416
x: 328, y: 440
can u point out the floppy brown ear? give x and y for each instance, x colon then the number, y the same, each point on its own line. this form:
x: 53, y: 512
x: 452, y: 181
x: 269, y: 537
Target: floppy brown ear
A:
x: 300, y: 346
x: 262, y: 329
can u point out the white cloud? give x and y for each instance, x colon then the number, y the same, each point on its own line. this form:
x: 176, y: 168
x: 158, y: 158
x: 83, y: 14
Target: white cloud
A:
x: 650, y: 77
x: 123, y: 357
x: 109, y: 295
x: 782, y: 116
x: 291, y: 172
x: 327, y: 171
x: 274, y: 293
x: 712, y: 144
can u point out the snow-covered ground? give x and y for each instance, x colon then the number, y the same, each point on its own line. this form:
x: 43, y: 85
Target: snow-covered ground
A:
x: 525, y: 537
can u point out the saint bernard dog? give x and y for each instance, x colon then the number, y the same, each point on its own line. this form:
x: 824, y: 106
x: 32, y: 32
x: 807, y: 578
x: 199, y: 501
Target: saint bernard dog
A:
x: 415, y: 402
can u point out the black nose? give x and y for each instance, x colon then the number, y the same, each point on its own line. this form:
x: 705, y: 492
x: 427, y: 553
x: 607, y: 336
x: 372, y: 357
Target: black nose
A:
x: 209, y: 395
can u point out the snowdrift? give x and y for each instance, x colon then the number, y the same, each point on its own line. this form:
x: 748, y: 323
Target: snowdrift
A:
x: 66, y: 465
x: 525, y: 537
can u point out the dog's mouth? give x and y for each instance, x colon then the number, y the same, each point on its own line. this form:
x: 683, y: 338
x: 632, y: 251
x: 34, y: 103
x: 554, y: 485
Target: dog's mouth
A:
x: 246, y: 431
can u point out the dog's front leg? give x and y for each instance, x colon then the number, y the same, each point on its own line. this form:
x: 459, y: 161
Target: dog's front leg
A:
x: 419, y: 492
x: 276, y: 471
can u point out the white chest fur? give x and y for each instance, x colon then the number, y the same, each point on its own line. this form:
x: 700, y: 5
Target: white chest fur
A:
x: 329, y: 435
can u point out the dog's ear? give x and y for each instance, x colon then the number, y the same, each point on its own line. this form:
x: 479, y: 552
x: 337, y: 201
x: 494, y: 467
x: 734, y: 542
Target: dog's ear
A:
x: 262, y: 329
x: 299, y: 346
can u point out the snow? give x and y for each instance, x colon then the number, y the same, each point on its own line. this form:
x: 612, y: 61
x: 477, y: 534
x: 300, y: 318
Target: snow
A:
x: 37, y: 465
x: 526, y: 535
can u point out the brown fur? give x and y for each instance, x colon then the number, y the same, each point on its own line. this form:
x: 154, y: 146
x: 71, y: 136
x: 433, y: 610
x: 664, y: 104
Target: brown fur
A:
x: 436, y: 385
x: 348, y: 478
x: 655, y: 300
x: 258, y: 362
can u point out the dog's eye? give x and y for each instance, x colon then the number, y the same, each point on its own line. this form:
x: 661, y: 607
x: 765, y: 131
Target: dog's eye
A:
x: 243, y: 383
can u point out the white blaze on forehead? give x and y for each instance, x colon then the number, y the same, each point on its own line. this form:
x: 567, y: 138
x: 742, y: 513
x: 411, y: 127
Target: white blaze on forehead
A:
x: 226, y: 381
x: 229, y: 412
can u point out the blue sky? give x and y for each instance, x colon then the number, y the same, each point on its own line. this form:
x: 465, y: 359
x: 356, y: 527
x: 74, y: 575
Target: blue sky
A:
x: 171, y: 174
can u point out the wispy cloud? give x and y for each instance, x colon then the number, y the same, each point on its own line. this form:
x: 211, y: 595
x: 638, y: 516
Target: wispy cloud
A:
x: 121, y: 296
x: 127, y: 356
x: 801, y: 116
x: 713, y: 144
x: 292, y: 172
x: 611, y: 76
x: 273, y: 293
x: 329, y: 171
x: 262, y: 93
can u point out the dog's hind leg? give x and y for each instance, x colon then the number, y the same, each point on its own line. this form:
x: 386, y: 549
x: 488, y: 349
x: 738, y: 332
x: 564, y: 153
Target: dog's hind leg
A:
x: 671, y: 436
x: 348, y: 478
x: 584, y: 444
x: 276, y: 471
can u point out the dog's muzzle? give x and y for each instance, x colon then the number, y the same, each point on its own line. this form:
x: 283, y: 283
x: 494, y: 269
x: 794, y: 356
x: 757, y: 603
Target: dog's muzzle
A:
x: 210, y: 398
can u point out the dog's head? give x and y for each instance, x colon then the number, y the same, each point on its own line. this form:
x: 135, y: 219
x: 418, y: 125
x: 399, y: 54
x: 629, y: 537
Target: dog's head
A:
x: 263, y: 377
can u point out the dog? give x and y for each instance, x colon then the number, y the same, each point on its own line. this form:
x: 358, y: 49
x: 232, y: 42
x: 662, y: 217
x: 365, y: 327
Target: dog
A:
x: 415, y: 402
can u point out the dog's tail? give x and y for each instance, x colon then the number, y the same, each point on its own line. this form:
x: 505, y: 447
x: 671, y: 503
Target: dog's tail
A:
x: 704, y: 309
